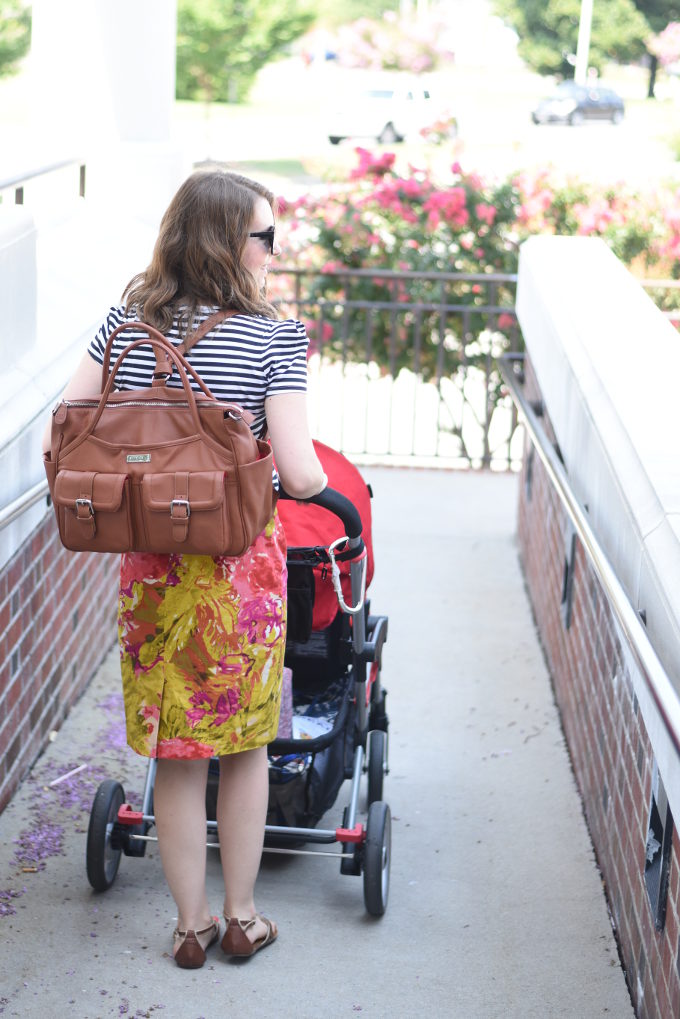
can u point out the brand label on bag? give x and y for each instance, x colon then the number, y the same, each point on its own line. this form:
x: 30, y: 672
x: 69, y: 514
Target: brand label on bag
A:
x: 138, y: 458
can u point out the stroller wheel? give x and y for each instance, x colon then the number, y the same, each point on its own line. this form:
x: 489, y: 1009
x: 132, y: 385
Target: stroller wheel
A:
x: 377, y: 759
x: 377, y: 858
x: 103, y: 849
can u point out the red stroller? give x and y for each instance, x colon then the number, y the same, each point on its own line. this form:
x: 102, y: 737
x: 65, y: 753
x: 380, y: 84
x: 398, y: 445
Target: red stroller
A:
x: 333, y: 720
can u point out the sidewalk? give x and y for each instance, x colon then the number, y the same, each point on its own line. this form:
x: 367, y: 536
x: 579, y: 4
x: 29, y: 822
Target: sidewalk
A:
x: 496, y: 906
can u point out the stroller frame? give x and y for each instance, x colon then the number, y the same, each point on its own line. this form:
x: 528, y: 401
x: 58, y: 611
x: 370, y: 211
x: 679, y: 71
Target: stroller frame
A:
x: 365, y: 849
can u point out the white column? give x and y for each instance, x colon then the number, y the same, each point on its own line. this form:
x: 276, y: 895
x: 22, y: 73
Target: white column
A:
x: 137, y: 41
x: 104, y: 86
x: 583, y: 45
x: 103, y: 69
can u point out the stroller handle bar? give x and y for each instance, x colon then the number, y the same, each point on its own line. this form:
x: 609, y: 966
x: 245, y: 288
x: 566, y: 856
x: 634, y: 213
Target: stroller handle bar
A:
x: 336, y: 502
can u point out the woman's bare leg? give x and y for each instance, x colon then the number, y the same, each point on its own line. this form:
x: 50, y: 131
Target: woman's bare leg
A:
x: 179, y: 808
x: 241, y: 815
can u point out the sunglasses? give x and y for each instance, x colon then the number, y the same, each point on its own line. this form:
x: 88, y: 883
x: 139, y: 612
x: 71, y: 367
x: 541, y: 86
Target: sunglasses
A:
x: 267, y: 236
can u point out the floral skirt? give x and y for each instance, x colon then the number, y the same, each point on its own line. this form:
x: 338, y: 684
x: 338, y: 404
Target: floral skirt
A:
x: 201, y: 644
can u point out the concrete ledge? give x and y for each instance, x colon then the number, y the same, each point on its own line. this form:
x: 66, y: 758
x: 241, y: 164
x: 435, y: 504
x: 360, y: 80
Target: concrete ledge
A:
x: 17, y: 282
x: 607, y: 363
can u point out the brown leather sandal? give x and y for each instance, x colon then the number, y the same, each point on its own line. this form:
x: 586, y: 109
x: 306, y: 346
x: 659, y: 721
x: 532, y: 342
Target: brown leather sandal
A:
x: 190, y: 953
x: 236, y: 942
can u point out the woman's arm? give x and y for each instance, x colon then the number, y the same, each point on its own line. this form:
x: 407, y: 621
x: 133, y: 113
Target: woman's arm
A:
x: 298, y: 465
x: 85, y: 381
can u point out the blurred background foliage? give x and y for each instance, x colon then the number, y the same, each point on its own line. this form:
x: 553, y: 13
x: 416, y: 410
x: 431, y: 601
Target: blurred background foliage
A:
x: 222, y: 44
x: 347, y: 238
x: 15, y: 35
x: 548, y: 32
x: 622, y: 30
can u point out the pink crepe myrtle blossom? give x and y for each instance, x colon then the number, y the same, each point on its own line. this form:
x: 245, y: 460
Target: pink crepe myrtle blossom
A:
x: 666, y: 45
x: 487, y: 213
x: 593, y: 218
x: 447, y: 207
x: 327, y: 331
x: 370, y: 165
x: 423, y: 215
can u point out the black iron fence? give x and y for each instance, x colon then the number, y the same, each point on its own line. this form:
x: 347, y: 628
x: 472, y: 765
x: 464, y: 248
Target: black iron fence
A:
x: 666, y: 296
x: 403, y: 364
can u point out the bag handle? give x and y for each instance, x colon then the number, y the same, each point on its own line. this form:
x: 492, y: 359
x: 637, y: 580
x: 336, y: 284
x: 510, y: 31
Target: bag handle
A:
x: 159, y: 343
x: 164, y: 367
x: 163, y: 354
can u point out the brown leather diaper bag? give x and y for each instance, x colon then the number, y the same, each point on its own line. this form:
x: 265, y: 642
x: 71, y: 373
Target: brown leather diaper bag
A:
x: 158, y: 469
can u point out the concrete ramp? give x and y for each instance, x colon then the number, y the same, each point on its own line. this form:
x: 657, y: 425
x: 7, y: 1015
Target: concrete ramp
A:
x: 496, y: 905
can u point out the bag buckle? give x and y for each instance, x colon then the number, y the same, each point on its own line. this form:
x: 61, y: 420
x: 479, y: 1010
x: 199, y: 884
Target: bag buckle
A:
x: 180, y: 502
x: 87, y: 503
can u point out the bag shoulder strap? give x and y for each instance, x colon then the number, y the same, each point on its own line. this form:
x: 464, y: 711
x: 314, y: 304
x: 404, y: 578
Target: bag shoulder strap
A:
x: 204, y: 328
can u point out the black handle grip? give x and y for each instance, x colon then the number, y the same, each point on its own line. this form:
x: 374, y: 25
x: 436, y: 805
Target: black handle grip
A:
x: 337, y: 503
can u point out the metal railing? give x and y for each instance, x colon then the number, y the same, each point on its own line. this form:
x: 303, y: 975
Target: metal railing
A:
x: 18, y: 181
x: 15, y: 509
x: 408, y: 373
x: 666, y: 295
x: 403, y: 364
x: 663, y: 693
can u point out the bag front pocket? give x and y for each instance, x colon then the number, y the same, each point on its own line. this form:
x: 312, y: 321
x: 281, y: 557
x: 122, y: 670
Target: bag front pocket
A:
x: 185, y: 512
x: 93, y: 511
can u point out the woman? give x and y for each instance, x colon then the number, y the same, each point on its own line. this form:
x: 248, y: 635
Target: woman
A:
x: 202, y: 638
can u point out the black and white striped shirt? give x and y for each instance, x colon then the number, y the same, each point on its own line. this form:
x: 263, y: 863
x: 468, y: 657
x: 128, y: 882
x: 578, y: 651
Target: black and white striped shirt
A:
x: 241, y: 360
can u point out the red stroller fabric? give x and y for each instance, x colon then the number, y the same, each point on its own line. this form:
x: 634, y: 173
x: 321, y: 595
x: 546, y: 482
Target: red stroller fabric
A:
x: 307, y: 525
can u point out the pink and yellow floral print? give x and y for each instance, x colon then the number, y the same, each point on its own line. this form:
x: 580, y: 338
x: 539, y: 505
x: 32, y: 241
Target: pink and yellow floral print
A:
x: 202, y: 641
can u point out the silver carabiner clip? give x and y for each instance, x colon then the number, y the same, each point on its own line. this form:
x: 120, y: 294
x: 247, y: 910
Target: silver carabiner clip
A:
x: 335, y: 577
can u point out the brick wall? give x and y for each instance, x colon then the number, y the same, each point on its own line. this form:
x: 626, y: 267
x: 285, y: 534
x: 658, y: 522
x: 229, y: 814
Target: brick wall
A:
x: 609, y: 747
x: 57, y: 620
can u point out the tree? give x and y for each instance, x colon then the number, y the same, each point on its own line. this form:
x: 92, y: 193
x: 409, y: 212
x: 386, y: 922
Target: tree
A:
x: 548, y: 32
x: 222, y: 44
x: 332, y: 14
x: 15, y: 35
x: 658, y: 14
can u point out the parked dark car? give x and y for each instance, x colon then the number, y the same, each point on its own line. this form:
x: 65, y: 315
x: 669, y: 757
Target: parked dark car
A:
x: 572, y: 104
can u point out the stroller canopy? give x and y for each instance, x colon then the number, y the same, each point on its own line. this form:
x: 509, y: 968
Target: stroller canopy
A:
x: 307, y: 525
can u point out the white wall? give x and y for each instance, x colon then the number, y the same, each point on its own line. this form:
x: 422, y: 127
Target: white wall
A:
x: 607, y: 363
x: 103, y: 78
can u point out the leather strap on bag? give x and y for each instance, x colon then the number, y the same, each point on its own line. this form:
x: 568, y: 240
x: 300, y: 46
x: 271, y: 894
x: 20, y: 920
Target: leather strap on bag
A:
x: 180, y: 510
x: 84, y: 509
x: 204, y: 328
x: 164, y: 371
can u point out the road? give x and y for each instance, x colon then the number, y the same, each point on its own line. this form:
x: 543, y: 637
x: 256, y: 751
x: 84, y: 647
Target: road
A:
x: 286, y: 123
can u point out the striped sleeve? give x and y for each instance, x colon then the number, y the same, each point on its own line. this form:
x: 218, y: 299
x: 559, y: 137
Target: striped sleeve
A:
x: 115, y: 317
x: 285, y: 358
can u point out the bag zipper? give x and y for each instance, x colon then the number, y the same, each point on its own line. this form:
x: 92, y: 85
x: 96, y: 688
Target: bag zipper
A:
x: 135, y: 403
x: 123, y: 403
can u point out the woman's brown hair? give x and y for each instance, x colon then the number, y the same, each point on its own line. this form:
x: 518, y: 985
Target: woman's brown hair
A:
x: 197, y: 257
